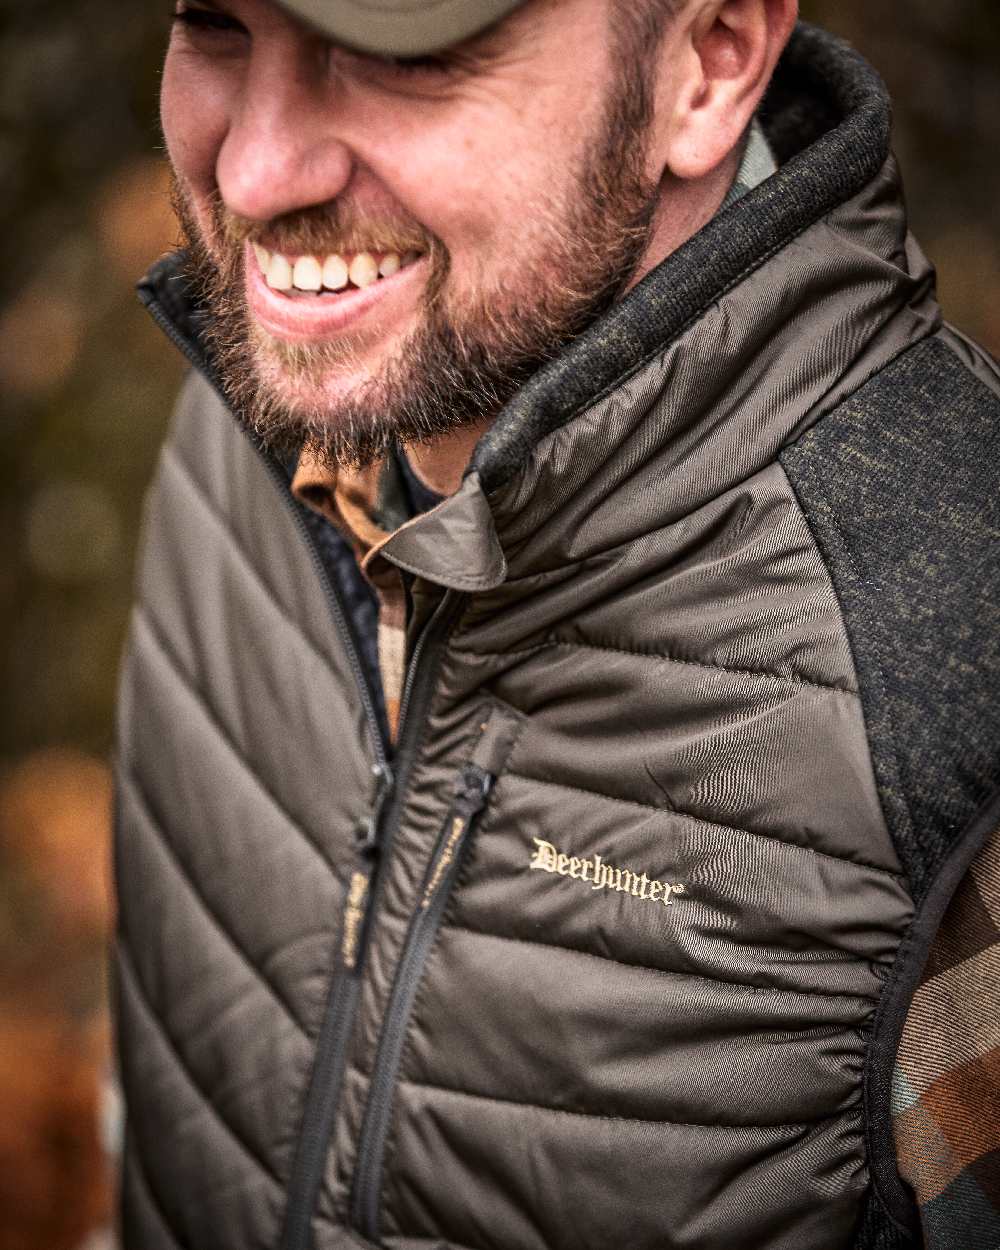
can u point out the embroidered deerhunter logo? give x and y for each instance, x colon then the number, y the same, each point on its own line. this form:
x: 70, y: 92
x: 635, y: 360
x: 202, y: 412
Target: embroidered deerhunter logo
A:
x: 603, y: 876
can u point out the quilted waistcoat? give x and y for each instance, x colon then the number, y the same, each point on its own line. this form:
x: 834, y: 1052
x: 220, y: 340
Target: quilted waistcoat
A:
x: 699, y: 735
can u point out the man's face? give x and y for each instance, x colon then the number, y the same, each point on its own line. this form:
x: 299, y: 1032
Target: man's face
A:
x: 500, y: 191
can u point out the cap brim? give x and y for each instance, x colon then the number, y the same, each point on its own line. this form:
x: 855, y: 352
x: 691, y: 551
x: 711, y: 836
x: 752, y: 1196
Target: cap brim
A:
x: 400, y: 27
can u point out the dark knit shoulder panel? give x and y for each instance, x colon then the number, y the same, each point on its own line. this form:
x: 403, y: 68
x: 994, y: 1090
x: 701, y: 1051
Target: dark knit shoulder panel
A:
x: 899, y: 486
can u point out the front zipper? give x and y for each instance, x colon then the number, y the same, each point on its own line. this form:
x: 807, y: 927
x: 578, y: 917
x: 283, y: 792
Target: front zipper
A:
x: 471, y: 795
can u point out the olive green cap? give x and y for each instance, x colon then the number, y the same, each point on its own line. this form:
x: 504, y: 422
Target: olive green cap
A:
x: 400, y: 27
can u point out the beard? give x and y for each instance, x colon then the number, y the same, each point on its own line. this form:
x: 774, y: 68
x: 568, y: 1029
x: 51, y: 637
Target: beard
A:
x: 468, y: 355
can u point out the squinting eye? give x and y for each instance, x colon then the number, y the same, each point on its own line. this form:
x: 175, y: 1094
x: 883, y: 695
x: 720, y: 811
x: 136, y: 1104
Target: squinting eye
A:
x: 206, y: 20
x: 431, y: 71
x: 413, y: 65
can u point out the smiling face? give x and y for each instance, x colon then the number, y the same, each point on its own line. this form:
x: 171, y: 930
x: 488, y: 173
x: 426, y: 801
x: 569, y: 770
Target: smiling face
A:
x: 389, y: 249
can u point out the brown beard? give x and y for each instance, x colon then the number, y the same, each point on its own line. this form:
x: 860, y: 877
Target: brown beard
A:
x: 463, y: 362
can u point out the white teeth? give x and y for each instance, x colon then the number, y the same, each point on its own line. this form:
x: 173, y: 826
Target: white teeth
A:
x: 279, y: 273
x: 335, y: 274
x: 363, y: 270
x: 307, y: 274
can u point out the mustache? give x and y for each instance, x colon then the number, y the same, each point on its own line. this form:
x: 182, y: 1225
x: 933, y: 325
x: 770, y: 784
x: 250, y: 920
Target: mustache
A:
x: 338, y: 226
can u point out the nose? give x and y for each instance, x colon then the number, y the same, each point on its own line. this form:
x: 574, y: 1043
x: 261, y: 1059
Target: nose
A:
x: 282, y: 152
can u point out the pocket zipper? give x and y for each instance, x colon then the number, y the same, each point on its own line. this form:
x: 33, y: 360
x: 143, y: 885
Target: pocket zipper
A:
x: 471, y: 796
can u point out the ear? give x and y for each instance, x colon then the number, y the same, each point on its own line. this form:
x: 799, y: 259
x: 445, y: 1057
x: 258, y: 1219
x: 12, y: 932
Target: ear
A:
x: 727, y: 52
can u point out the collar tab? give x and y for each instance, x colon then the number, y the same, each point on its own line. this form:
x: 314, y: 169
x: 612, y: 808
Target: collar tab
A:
x: 455, y: 544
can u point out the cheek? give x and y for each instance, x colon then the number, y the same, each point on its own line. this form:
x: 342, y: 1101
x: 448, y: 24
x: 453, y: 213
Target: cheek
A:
x: 195, y: 107
x: 478, y: 188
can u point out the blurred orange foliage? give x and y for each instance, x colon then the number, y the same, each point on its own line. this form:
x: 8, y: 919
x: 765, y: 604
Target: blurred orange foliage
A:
x: 54, y: 1183
x: 41, y: 333
x: 55, y: 822
x: 55, y: 816
x: 134, y: 219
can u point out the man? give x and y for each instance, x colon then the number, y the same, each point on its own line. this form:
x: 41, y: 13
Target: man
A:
x: 562, y: 701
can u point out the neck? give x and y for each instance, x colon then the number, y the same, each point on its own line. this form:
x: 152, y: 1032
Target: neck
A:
x: 440, y: 464
x: 683, y: 208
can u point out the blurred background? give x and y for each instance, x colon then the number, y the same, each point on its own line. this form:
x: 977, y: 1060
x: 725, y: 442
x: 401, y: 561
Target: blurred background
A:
x: 85, y: 390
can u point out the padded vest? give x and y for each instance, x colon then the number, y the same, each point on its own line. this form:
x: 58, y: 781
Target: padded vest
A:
x: 699, y: 732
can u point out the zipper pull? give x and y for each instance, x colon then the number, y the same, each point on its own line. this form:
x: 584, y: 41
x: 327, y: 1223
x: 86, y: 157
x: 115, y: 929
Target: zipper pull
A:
x: 359, y: 889
x: 473, y: 789
x: 471, y: 795
x: 368, y: 832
